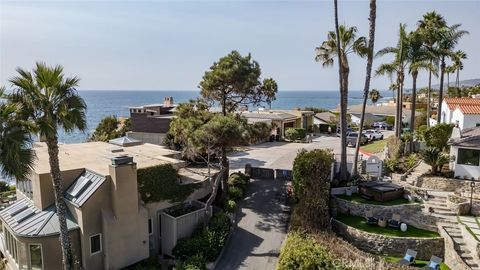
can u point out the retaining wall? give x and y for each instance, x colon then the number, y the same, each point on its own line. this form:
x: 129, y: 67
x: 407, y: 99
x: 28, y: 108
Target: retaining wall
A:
x: 390, y: 246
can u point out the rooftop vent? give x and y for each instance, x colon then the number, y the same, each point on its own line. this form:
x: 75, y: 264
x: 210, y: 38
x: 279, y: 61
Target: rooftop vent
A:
x: 121, y: 160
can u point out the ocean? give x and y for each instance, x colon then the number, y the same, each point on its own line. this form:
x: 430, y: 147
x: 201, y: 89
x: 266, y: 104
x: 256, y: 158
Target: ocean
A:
x: 102, y: 103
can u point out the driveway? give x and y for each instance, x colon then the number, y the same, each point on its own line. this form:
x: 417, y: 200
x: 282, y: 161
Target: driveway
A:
x: 261, y: 228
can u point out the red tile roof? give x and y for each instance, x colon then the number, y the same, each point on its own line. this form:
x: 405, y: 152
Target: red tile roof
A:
x: 466, y: 105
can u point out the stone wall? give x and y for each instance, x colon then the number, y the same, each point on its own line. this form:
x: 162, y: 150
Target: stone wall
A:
x: 461, y: 205
x: 390, y: 246
x: 411, y: 214
x: 446, y: 184
x: 451, y: 257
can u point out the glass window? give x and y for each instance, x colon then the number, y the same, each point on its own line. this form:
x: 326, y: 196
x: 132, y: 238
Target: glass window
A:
x: 468, y: 157
x: 150, y: 231
x: 35, y: 256
x: 95, y: 244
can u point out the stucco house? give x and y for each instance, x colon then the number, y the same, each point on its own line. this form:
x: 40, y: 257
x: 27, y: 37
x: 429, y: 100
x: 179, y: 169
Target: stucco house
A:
x: 464, y: 111
x: 281, y: 120
x: 109, y: 224
x: 465, y: 153
x: 150, y: 123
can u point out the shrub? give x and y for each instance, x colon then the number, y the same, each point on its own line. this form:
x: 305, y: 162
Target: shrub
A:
x: 411, y: 160
x: 390, y: 120
x: 391, y: 164
x: 434, y: 157
x: 238, y: 179
x: 311, y: 184
x: 230, y: 206
x: 196, y: 262
x: 235, y: 193
x: 301, y: 251
x: 438, y: 135
x: 394, y: 148
x: 295, y: 134
x: 207, y: 242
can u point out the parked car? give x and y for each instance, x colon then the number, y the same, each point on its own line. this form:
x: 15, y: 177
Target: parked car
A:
x: 348, y: 131
x: 382, y: 125
x: 352, y: 139
x: 373, y: 135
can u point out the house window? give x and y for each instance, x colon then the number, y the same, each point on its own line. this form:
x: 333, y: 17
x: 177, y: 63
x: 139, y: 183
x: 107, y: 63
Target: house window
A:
x: 477, y: 124
x: 35, y: 251
x: 25, y: 186
x: 11, y: 245
x: 150, y: 225
x: 95, y: 244
x: 468, y: 157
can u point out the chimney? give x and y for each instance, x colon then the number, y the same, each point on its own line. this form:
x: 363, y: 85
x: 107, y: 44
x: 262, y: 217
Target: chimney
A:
x: 168, y: 102
x: 123, y: 172
x: 456, y: 131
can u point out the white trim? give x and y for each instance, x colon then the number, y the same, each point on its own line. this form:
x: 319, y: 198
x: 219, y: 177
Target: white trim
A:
x: 100, y: 250
x: 30, y: 257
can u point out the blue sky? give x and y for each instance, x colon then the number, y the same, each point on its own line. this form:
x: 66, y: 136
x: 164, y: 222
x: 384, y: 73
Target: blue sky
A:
x: 168, y: 45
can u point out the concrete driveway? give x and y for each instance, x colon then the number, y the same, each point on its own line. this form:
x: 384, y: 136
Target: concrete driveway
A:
x: 261, y: 228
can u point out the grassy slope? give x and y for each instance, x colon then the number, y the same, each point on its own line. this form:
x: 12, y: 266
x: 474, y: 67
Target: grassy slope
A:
x: 418, y: 263
x: 358, y: 199
x: 374, y: 147
x: 360, y: 223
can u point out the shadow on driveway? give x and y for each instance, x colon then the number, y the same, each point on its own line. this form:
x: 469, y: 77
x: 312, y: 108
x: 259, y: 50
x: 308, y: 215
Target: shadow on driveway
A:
x: 261, y: 228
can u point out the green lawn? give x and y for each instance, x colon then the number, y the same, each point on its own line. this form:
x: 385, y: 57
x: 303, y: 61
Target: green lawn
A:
x: 375, y: 147
x: 358, y: 199
x: 418, y: 263
x: 360, y: 223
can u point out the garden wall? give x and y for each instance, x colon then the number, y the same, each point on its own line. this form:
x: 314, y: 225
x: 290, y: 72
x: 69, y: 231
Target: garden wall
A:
x: 446, y: 184
x: 411, y: 214
x: 388, y: 245
x: 451, y: 257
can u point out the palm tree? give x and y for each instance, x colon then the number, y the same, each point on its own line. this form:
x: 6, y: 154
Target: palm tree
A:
x: 397, y: 67
x: 448, y: 39
x: 457, y: 58
x: 52, y: 103
x: 449, y: 70
x: 368, y: 75
x: 340, y: 44
x: 374, y: 96
x: 429, y: 27
x: 418, y: 58
x: 16, y: 156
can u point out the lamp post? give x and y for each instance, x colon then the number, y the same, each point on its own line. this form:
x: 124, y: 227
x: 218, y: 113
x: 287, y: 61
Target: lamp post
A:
x: 472, y: 185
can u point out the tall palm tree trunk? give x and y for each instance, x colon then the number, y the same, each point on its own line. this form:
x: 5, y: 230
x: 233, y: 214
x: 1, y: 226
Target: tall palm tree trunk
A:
x: 398, y: 112
x: 429, y: 97
x: 448, y: 80
x: 371, y: 40
x: 440, y: 91
x: 457, y: 80
x: 414, y: 107
x: 343, y: 102
x: 67, y: 255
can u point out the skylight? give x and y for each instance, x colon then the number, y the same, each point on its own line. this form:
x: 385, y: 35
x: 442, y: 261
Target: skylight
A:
x: 81, y: 184
x: 17, y: 209
x: 24, y: 215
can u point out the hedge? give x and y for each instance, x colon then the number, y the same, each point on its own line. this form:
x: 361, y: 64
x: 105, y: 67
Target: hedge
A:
x: 301, y: 251
x: 160, y: 183
x: 295, y: 134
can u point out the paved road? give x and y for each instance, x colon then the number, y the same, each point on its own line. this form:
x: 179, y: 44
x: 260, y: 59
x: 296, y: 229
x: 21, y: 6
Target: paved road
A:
x: 261, y: 228
x: 280, y: 155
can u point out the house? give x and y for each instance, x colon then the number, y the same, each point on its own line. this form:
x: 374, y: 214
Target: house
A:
x: 368, y: 118
x: 465, y: 152
x: 281, y: 120
x: 382, y: 111
x: 464, y: 111
x: 323, y: 120
x: 109, y: 224
x: 150, y: 123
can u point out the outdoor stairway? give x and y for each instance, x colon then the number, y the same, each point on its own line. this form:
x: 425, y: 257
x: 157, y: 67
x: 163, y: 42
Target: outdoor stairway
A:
x: 448, y: 220
x: 418, y: 171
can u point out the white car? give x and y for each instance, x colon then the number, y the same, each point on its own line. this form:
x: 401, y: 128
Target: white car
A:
x: 373, y: 135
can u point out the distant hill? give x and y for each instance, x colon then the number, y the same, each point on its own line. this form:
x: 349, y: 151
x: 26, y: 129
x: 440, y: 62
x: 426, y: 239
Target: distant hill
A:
x: 471, y: 82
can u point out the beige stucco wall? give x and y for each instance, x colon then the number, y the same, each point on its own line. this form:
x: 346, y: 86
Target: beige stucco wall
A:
x: 51, y: 251
x: 42, y: 185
